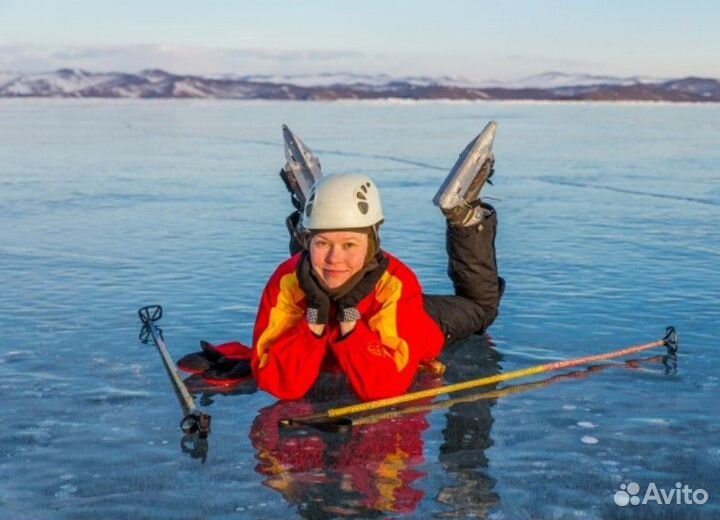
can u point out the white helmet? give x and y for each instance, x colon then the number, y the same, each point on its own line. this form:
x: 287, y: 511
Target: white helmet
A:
x: 345, y: 201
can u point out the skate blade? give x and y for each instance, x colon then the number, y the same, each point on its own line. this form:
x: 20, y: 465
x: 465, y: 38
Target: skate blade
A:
x: 456, y: 185
x: 301, y: 164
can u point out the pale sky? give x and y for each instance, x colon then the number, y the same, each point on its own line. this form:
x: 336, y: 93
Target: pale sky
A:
x: 475, y: 40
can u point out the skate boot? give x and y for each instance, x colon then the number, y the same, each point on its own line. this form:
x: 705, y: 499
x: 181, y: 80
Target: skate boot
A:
x: 301, y: 170
x: 458, y: 197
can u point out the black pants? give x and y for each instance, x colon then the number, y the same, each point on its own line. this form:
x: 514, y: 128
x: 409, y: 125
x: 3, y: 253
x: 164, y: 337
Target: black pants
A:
x: 472, y: 267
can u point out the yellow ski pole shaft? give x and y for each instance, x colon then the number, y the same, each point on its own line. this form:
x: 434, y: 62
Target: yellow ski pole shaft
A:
x: 494, y: 394
x: 669, y: 341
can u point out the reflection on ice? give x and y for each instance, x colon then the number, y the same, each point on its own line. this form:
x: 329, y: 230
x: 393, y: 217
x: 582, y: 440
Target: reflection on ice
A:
x: 179, y: 203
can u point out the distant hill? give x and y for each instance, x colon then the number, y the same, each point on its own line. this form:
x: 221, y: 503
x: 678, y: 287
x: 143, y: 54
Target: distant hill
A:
x: 551, y: 86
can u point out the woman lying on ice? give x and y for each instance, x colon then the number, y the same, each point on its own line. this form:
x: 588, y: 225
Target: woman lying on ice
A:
x: 342, y: 302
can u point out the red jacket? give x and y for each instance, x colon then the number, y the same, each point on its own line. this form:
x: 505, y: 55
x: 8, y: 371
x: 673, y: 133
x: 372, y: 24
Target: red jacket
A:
x: 379, y: 358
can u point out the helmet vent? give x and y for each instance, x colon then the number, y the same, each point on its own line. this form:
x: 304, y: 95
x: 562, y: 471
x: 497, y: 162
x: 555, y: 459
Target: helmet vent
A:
x: 362, y: 204
x: 342, y: 201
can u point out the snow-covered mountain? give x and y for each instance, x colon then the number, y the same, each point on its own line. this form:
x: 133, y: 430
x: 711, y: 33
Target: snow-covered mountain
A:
x: 549, y: 80
x: 160, y: 84
x: 59, y: 83
x: 705, y: 88
x: 333, y: 79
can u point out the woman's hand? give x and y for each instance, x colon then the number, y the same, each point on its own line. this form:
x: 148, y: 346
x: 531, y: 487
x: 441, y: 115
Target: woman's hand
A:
x: 317, y: 328
x: 346, y: 327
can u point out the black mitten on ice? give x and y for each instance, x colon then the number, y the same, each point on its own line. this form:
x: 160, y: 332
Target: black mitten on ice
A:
x: 228, y: 370
x: 226, y: 363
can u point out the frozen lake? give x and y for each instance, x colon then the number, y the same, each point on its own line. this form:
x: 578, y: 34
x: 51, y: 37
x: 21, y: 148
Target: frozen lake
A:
x: 609, y: 232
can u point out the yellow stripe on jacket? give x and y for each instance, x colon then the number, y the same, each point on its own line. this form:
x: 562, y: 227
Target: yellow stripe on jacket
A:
x: 388, y: 292
x: 284, y: 315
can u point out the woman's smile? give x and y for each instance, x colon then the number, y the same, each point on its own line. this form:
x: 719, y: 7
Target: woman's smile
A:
x: 338, y: 255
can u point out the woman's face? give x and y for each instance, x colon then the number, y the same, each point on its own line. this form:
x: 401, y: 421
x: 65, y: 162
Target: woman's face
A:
x: 337, y: 255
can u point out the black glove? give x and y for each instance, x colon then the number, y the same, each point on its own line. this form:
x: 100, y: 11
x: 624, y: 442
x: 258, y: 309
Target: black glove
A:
x: 228, y: 370
x: 347, y: 303
x: 318, y: 301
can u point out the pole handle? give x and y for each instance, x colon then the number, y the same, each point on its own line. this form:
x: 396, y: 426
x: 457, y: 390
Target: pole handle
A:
x: 150, y: 314
x: 672, y: 342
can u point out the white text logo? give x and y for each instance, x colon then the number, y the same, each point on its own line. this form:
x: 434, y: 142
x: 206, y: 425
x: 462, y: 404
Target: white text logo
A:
x: 629, y: 494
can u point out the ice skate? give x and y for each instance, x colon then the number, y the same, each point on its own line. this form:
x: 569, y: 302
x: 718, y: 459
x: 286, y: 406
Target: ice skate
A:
x: 458, y: 197
x: 301, y: 170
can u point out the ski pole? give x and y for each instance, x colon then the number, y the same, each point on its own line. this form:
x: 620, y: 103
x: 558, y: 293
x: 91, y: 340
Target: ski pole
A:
x: 335, y: 419
x: 503, y: 392
x: 194, y: 420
